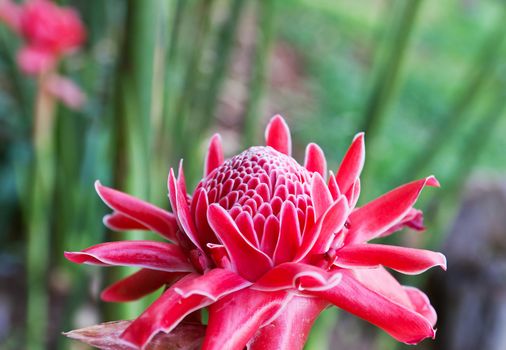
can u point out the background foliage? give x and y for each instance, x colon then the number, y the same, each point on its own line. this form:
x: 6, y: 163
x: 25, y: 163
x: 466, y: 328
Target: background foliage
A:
x: 426, y: 80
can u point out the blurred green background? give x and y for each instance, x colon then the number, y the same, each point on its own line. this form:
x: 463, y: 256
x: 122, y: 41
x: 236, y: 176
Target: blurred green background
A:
x: 426, y: 81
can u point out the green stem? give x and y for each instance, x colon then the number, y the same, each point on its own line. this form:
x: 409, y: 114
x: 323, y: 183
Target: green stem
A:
x: 226, y: 38
x: 39, y: 211
x: 266, y: 15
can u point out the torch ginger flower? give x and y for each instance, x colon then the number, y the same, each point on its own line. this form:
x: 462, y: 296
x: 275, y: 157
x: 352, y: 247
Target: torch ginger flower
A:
x: 49, y: 32
x: 266, y: 244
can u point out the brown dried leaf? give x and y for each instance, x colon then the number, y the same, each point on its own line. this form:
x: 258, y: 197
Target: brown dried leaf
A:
x: 105, y: 336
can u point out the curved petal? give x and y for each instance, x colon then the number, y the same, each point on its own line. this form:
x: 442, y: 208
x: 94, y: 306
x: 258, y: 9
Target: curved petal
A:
x: 234, y: 319
x: 381, y: 214
x: 106, y: 336
x: 289, y: 234
x: 401, y: 322
x: 315, y: 160
x: 214, y: 156
x: 120, y: 222
x: 406, y: 260
x: 421, y: 304
x: 318, y: 236
x: 277, y: 135
x: 139, y: 284
x: 297, y: 276
x: 229, y: 281
x: 289, y: 331
x: 250, y: 262
x: 179, y: 203
x: 168, y: 310
x: 147, y: 214
x: 352, y: 164
x: 320, y: 195
x: 147, y: 254
x: 413, y: 219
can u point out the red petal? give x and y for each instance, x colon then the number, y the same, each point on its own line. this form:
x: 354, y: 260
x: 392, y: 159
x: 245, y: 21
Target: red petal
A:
x: 289, y: 331
x: 214, y: 156
x: 320, y: 235
x: 385, y: 212
x: 147, y: 214
x: 406, y: 260
x: 270, y: 236
x: 320, y: 195
x: 120, y: 222
x: 152, y: 255
x: 206, y: 285
x: 277, y: 135
x: 168, y: 310
x: 200, y: 215
x: 352, y: 164
x: 141, y: 283
x: 413, y: 219
x: 315, y: 160
x: 106, y: 336
x: 245, y: 225
x: 289, y: 234
x: 234, y: 319
x: 333, y: 187
x: 297, y: 276
x: 179, y: 203
x: 250, y: 262
x: 421, y: 304
x: 400, y: 322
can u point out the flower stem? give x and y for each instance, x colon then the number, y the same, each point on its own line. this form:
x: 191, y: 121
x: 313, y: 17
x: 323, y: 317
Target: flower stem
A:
x: 38, y: 213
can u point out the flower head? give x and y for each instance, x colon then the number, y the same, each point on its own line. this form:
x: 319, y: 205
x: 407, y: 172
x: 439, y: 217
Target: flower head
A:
x: 48, y: 30
x: 266, y: 244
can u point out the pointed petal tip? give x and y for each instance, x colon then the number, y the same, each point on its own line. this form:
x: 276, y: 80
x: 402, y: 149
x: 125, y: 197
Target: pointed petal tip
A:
x: 360, y: 135
x: 75, y: 257
x: 277, y: 135
x: 432, y: 181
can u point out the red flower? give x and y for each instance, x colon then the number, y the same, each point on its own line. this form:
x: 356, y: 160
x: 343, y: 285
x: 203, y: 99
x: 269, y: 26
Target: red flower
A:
x: 266, y: 244
x: 48, y: 30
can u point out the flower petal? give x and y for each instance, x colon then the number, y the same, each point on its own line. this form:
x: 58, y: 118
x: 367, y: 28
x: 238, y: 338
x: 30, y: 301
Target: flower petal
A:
x: 289, y: 234
x: 214, y: 156
x: 179, y: 203
x: 139, y: 284
x: 315, y: 160
x: 147, y: 254
x: 297, y: 276
x: 320, y: 195
x: 406, y: 260
x: 381, y: 214
x: 250, y: 262
x: 413, y: 219
x: 234, y: 319
x: 106, y: 336
x: 289, y: 331
x: 421, y: 304
x: 277, y: 135
x: 168, y: 310
x: 352, y: 164
x: 400, y: 322
x: 320, y: 235
x: 147, y: 214
x: 228, y: 281
x: 120, y: 222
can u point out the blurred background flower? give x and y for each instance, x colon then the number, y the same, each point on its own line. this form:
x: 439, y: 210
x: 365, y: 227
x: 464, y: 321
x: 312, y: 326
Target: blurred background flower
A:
x: 425, y: 80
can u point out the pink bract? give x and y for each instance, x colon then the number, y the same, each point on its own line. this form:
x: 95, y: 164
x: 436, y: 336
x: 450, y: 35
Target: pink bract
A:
x: 48, y: 30
x: 266, y: 244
